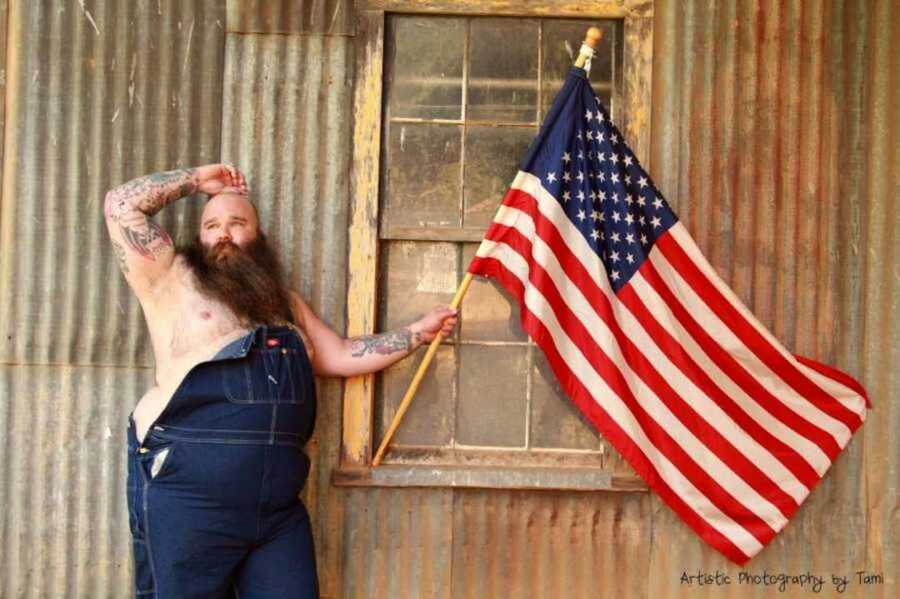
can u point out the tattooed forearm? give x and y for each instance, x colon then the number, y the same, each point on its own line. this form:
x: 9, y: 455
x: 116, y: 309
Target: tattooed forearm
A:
x: 150, y: 193
x: 401, y: 340
x: 131, y: 205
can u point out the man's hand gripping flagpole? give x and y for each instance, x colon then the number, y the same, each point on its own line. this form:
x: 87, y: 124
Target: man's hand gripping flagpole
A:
x: 592, y: 38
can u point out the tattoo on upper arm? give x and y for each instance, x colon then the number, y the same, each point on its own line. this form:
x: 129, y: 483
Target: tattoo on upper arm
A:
x: 120, y: 254
x: 385, y: 343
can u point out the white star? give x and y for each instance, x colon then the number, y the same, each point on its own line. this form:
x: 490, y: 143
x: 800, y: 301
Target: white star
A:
x: 578, y: 134
x: 614, y: 237
x: 628, y: 218
x: 629, y: 199
x: 581, y: 215
x: 627, y: 179
x: 590, y: 134
x: 614, y: 138
x: 616, y: 217
x: 600, y: 117
x: 614, y: 256
x: 595, y: 235
x: 602, y: 176
x: 601, y: 235
x: 641, y: 220
x: 580, y: 195
x: 643, y: 239
x: 593, y: 195
x: 566, y: 196
x: 655, y: 221
x: 596, y: 215
x: 602, y: 194
x: 588, y: 115
x: 580, y: 154
x: 657, y: 203
x: 643, y: 182
x: 630, y: 259
x: 580, y: 176
x: 629, y: 237
x: 551, y: 177
x: 566, y: 157
x: 601, y: 136
x: 566, y: 176
x: 615, y: 197
x: 628, y: 160
x: 641, y: 201
x: 602, y: 156
x: 615, y: 177
x: 615, y: 275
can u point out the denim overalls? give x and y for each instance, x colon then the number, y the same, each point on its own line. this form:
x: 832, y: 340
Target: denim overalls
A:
x: 213, y: 489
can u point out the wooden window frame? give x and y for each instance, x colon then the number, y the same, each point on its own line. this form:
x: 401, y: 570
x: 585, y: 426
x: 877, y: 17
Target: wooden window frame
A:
x: 357, y: 426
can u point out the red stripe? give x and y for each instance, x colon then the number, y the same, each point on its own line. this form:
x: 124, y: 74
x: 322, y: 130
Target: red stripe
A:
x: 673, y: 350
x: 837, y: 376
x: 608, y: 370
x: 585, y: 402
x: 732, y: 368
x: 752, y: 338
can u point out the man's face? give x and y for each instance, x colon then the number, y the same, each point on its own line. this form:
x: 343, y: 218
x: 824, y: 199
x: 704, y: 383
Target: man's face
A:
x: 227, y: 219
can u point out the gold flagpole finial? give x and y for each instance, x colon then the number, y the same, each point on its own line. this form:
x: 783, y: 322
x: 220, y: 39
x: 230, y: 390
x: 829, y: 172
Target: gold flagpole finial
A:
x: 591, y: 41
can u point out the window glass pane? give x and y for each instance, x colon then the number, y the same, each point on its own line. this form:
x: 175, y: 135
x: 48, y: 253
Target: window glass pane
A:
x: 493, y: 155
x: 422, y: 175
x: 429, y: 418
x: 488, y: 312
x: 555, y: 421
x: 561, y: 41
x: 492, y: 401
x: 415, y: 277
x: 503, y: 59
x: 424, y: 67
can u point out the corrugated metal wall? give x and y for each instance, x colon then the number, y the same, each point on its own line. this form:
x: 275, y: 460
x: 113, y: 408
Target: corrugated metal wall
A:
x: 774, y: 133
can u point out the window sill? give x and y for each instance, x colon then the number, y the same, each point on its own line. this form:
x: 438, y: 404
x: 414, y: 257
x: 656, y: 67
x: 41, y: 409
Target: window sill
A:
x: 488, y: 477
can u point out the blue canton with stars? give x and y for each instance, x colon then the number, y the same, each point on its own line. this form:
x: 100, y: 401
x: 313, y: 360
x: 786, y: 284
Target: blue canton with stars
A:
x: 581, y: 158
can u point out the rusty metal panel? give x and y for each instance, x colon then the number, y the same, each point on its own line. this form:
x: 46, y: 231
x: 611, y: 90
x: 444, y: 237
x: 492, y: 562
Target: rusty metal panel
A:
x: 775, y: 134
x: 397, y: 543
x: 286, y: 123
x: 321, y: 17
x: 99, y: 93
x: 64, y: 524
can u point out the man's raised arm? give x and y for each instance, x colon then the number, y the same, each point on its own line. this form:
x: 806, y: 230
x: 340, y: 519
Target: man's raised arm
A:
x: 144, y: 249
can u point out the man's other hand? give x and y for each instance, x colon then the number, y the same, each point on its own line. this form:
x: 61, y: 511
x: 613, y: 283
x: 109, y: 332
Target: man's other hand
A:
x: 213, y: 179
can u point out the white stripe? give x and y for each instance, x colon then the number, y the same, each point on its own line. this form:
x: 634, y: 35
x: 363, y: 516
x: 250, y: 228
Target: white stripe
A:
x: 650, y: 401
x: 809, y: 451
x: 850, y: 399
x: 732, y: 344
x: 616, y: 409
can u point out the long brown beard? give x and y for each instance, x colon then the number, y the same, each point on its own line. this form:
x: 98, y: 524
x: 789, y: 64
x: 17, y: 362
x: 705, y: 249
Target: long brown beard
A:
x: 248, y: 280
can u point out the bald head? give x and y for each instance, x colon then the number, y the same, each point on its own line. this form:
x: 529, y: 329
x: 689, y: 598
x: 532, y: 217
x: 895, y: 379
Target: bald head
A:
x: 230, y: 216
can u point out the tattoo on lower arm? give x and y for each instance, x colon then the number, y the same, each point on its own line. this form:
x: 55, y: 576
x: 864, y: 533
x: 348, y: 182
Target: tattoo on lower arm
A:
x: 385, y: 343
x: 150, y: 193
x: 131, y: 205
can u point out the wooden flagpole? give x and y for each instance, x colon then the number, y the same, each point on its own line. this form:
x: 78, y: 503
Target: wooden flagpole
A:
x: 592, y: 38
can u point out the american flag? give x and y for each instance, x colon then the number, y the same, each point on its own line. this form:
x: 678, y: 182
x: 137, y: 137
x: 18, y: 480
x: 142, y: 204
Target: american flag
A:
x: 728, y: 427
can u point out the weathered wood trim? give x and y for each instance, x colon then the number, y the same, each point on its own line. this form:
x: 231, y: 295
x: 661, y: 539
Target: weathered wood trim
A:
x: 606, y: 9
x: 637, y: 88
x: 485, y: 477
x: 356, y: 445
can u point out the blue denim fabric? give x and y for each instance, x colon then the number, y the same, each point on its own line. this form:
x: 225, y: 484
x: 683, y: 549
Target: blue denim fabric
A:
x: 213, y: 489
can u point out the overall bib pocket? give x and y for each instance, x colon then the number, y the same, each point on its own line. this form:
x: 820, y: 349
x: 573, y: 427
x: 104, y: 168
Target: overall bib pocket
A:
x: 264, y: 376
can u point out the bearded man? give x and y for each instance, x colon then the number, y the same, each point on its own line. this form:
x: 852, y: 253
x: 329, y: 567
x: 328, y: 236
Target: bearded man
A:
x: 215, y: 447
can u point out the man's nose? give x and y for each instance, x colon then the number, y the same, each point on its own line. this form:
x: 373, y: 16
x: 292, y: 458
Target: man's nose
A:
x: 224, y: 236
